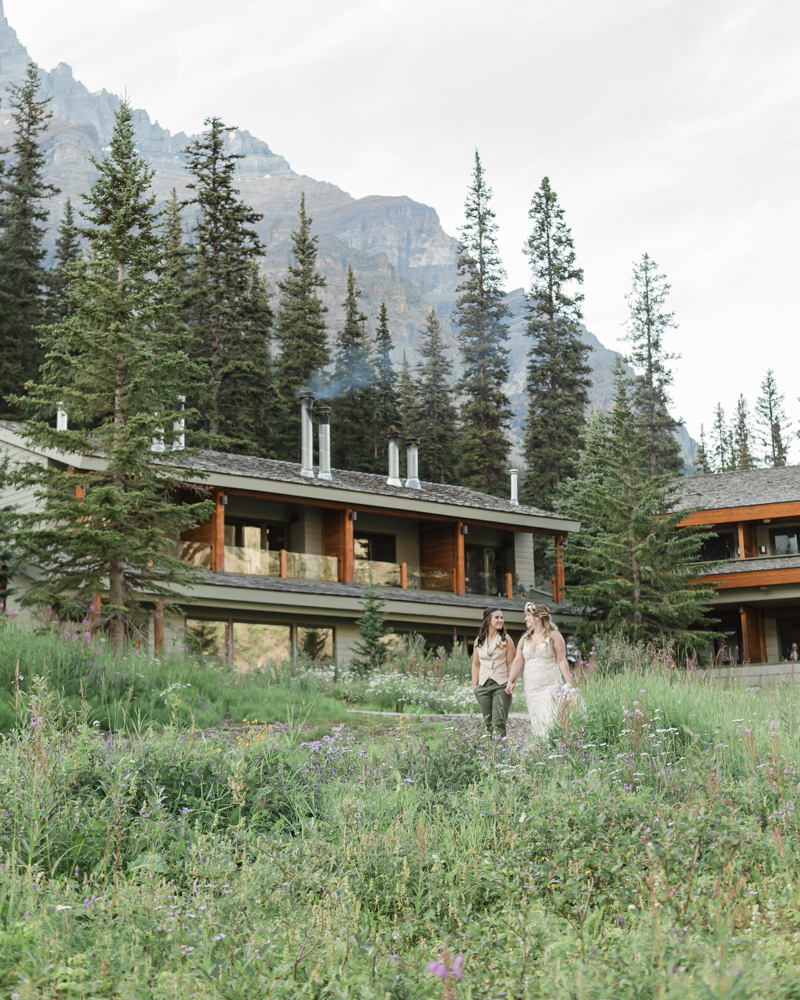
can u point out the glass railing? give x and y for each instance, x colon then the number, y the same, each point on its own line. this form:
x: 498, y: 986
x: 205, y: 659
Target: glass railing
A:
x: 196, y: 553
x: 302, y: 566
x: 383, y: 574
x: 430, y: 578
x: 293, y: 565
x: 251, y: 562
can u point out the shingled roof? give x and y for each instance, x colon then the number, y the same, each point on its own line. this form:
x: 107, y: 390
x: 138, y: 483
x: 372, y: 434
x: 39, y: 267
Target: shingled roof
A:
x: 755, y: 565
x: 741, y: 489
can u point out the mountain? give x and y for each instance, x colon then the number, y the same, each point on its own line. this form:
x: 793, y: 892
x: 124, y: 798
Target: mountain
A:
x: 396, y: 246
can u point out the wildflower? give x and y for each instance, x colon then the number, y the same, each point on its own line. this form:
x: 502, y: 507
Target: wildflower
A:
x: 773, y: 726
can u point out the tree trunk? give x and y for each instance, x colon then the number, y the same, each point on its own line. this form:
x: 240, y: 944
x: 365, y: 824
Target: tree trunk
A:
x: 116, y: 598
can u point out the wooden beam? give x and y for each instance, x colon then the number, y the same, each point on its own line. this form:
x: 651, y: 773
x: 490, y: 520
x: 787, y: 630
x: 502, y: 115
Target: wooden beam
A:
x: 403, y: 576
x: 741, y: 528
x: 348, y: 554
x: 733, y: 515
x: 509, y: 586
x: 560, y: 581
x: 755, y: 578
x: 460, y: 585
x: 218, y: 534
x: 745, y: 637
x: 762, y: 635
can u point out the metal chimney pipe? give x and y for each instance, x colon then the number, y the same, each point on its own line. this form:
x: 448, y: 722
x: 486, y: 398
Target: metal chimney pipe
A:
x: 61, y: 420
x: 412, y: 464
x: 514, y: 479
x: 324, y: 419
x: 306, y: 434
x: 394, y: 460
x: 179, y: 426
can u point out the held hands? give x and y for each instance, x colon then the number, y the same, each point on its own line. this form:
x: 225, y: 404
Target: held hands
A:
x: 510, y: 686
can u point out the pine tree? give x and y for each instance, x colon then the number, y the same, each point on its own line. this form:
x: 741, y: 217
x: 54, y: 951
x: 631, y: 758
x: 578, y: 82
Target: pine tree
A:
x: 559, y: 376
x: 230, y: 316
x: 8, y: 530
x: 721, y: 452
x: 386, y: 407
x: 116, y: 369
x: 23, y: 277
x: 350, y: 390
x: 742, y: 457
x: 702, y: 465
x: 772, y: 421
x: 482, y: 333
x: 407, y: 402
x: 633, y: 563
x: 435, y: 415
x: 370, y: 649
x: 647, y: 326
x: 68, y: 251
x: 303, y: 338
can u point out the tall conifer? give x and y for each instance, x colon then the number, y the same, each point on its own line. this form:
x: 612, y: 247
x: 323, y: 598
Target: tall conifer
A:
x: 435, y: 414
x: 113, y: 364
x: 482, y: 334
x: 772, y: 422
x: 742, y: 436
x: 230, y: 316
x: 68, y: 251
x: 23, y: 278
x: 350, y: 389
x: 303, y: 338
x: 647, y: 326
x: 559, y: 376
x: 702, y: 465
x: 407, y: 401
x: 385, y: 402
x: 721, y: 445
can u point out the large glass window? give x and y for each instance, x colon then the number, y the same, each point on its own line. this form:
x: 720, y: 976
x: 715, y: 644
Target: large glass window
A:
x: 266, y: 537
x: 210, y: 640
x: 785, y: 541
x: 484, y: 570
x: 719, y: 547
x: 316, y: 643
x: 376, y: 548
x: 256, y: 646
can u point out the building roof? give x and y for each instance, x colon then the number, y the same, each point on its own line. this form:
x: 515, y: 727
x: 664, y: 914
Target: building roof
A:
x: 754, y: 565
x: 741, y: 489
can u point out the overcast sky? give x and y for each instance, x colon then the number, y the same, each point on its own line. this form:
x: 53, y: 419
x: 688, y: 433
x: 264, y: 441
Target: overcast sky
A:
x: 669, y: 126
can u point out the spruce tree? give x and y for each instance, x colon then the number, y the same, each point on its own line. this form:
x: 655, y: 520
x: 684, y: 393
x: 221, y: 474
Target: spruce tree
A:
x: 482, y: 334
x: 647, y: 327
x: 559, y: 375
x: 114, y: 366
x: 742, y: 457
x: 385, y: 402
x: 350, y: 389
x: 633, y: 564
x: 370, y: 649
x: 772, y: 422
x: 23, y: 216
x: 721, y: 445
x: 407, y: 403
x: 68, y: 251
x: 435, y: 415
x: 230, y: 315
x: 702, y: 465
x: 303, y: 338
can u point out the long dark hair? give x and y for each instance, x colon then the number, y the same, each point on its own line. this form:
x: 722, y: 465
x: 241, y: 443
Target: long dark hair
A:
x: 484, y: 632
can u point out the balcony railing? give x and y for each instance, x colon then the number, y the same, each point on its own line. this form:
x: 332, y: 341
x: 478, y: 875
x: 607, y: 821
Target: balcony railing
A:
x: 291, y: 565
x: 406, y: 576
x: 196, y: 553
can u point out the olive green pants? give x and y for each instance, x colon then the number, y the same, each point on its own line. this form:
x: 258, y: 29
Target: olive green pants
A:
x: 494, y: 704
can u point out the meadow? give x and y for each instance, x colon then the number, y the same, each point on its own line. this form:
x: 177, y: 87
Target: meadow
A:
x: 647, y: 849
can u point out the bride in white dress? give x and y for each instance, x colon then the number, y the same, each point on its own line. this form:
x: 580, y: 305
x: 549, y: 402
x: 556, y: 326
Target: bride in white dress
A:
x: 547, y: 681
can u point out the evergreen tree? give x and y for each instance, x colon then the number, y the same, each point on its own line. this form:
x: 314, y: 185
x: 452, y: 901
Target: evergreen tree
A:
x: 742, y: 437
x: 648, y: 324
x: 23, y: 277
x: 559, y: 376
x: 722, y: 448
x: 772, y: 421
x: 229, y: 312
x: 302, y: 335
x: 116, y: 369
x: 68, y: 251
x: 480, y: 315
x: 407, y: 403
x: 370, y: 649
x: 702, y: 465
x: 386, y: 407
x: 351, y: 388
x: 177, y: 263
x: 633, y: 563
x: 435, y: 415
x: 8, y: 526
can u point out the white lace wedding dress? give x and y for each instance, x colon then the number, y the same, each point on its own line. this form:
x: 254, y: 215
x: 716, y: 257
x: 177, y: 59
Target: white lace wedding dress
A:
x: 544, y: 686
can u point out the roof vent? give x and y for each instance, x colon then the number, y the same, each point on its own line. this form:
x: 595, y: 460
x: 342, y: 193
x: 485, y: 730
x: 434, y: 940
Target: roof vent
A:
x: 394, y: 460
x: 412, y: 464
x: 514, y: 479
x: 324, y: 420
x: 306, y: 434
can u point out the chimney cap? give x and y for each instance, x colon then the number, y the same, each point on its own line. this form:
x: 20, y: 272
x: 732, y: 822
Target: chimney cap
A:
x: 306, y: 394
x: 410, y: 441
x: 323, y: 413
x: 394, y: 435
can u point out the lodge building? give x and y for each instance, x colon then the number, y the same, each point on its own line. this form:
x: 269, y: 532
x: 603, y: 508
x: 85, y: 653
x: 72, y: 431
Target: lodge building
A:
x: 291, y: 546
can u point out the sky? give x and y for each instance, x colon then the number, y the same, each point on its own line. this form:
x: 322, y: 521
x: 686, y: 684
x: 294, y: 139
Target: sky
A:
x: 665, y: 126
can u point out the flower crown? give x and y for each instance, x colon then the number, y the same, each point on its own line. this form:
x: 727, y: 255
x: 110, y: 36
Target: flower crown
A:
x: 537, y: 610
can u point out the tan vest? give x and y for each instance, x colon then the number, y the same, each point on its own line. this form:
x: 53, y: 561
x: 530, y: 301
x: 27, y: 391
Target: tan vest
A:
x: 492, y: 658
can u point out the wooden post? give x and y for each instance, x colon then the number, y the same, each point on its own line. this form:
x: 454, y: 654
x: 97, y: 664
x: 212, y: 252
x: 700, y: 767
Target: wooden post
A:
x: 218, y: 535
x: 158, y: 628
x: 745, y: 637
x: 94, y: 611
x: 762, y: 636
x: 509, y: 586
x: 555, y: 591
x: 404, y: 576
x: 283, y: 564
x: 348, y: 554
x: 560, y: 584
x: 742, y: 539
x: 460, y: 581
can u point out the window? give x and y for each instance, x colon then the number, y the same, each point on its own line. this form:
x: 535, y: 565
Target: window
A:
x: 719, y: 547
x: 267, y: 537
x: 377, y: 548
x: 316, y: 643
x: 484, y: 570
x: 259, y: 645
x: 785, y: 541
x: 207, y: 639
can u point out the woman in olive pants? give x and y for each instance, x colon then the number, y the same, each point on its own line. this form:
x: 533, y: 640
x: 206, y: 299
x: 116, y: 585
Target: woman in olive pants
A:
x: 492, y: 657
